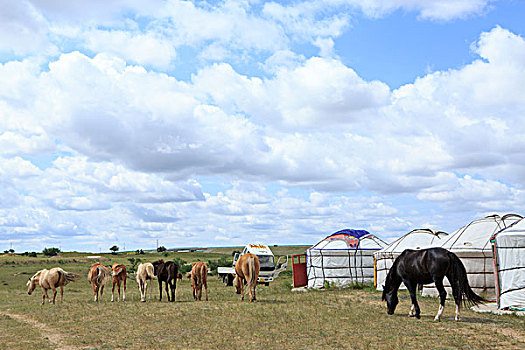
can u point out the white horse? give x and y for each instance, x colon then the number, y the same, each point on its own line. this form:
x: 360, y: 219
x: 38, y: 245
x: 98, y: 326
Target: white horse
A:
x: 144, y: 273
x: 51, y: 279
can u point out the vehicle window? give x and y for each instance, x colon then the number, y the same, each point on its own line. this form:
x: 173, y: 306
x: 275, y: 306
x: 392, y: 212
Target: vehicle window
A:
x: 266, y: 261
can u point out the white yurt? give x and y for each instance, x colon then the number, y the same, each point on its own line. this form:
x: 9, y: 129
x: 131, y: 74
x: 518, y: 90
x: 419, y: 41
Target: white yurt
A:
x: 509, y: 263
x: 415, y: 239
x: 342, y: 258
x: 471, y: 244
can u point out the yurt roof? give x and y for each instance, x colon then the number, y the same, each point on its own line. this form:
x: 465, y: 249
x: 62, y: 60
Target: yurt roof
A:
x: 349, y: 238
x: 477, y: 234
x: 417, y: 239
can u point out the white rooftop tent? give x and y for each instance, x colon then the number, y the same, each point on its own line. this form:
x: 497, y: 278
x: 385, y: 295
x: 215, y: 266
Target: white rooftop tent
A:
x: 471, y: 244
x: 415, y: 239
x: 342, y: 258
x: 509, y: 262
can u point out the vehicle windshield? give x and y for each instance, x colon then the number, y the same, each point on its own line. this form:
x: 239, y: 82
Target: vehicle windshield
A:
x: 267, y: 262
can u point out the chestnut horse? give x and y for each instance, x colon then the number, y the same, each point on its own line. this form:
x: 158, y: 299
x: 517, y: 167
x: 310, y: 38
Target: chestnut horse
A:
x: 51, y: 279
x: 144, y: 273
x: 119, y: 274
x: 98, y: 276
x: 247, y: 272
x: 167, y: 272
x: 199, y: 277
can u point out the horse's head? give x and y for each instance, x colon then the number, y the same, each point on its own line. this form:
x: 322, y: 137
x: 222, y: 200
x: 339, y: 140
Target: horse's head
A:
x: 237, y: 283
x: 116, y: 269
x: 390, y: 296
x: 32, y: 283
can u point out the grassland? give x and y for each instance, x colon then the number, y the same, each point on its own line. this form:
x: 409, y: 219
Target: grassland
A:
x: 280, y: 319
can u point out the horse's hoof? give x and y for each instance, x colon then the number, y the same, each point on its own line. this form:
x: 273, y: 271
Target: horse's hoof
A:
x: 417, y: 316
x: 437, y: 319
x: 411, y: 315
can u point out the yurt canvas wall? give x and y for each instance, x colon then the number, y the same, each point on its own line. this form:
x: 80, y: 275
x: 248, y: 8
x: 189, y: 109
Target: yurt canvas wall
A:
x: 342, y: 258
x: 471, y: 244
x: 415, y: 239
x: 509, y: 261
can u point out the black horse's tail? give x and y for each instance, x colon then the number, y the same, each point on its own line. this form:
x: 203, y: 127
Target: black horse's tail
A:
x: 460, y: 287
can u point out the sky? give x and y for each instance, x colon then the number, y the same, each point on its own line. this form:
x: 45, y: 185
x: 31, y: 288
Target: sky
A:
x: 221, y: 123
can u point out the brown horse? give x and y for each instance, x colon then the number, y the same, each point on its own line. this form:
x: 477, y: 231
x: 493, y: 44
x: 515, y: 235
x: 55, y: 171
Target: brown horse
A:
x: 247, y: 272
x: 199, y: 276
x: 144, y: 273
x: 119, y: 274
x: 98, y: 276
x: 167, y: 272
x: 51, y: 279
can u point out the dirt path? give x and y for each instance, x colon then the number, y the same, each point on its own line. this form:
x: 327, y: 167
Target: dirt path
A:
x: 56, y: 339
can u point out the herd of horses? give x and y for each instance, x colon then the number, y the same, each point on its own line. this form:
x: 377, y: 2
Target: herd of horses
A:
x: 166, y: 272
x: 412, y: 267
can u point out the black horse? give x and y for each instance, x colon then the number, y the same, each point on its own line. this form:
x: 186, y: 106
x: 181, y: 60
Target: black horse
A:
x: 167, y: 272
x: 425, y: 266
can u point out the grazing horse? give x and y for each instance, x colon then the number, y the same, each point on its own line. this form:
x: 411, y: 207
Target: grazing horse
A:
x: 167, y: 272
x: 98, y: 276
x: 51, y: 279
x: 144, y: 273
x: 120, y: 275
x: 426, y: 266
x: 247, y: 271
x: 199, y: 276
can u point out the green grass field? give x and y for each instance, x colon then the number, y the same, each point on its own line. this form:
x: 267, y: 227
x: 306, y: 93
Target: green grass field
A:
x: 280, y: 319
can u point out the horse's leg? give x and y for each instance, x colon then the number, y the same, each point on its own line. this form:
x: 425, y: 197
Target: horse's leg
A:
x: 166, y: 285
x: 95, y: 291
x: 457, y: 299
x: 44, y: 296
x: 442, y: 298
x: 206, y: 289
x: 242, y: 289
x: 172, y: 288
x: 160, y: 290
x: 411, y: 313
x: 113, y: 290
x: 412, y: 290
x: 54, y: 294
x: 118, y: 290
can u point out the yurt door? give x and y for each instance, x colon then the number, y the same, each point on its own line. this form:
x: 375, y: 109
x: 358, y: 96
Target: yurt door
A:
x: 299, y: 270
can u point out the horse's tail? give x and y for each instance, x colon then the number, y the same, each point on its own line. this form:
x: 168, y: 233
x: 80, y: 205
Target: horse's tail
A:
x: 71, y: 277
x: 251, y: 278
x: 102, y: 275
x: 460, y: 286
x: 150, y: 271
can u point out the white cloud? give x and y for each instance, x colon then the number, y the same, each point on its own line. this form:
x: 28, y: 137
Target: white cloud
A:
x: 143, y: 49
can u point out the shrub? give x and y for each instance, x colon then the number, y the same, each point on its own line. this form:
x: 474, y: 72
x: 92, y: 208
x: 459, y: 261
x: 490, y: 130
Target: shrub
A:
x: 161, y: 249
x: 134, y: 263
x: 51, y: 251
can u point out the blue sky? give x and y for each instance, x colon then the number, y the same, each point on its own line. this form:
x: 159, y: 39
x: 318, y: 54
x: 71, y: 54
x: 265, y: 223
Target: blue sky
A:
x: 227, y: 122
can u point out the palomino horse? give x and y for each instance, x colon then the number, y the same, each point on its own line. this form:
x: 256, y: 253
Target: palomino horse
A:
x: 167, y: 272
x: 247, y: 272
x: 51, y: 279
x: 119, y: 274
x: 98, y: 276
x: 425, y: 266
x: 199, y: 277
x: 144, y: 273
